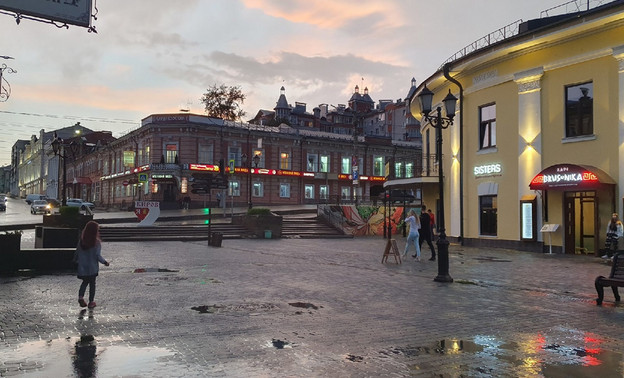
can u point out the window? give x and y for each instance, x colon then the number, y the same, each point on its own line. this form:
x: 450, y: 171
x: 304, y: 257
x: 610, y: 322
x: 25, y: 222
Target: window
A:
x: 312, y: 163
x: 284, y: 160
x: 234, y: 153
x: 324, y: 192
x: 579, y: 110
x: 345, y: 166
x: 488, y: 209
x: 345, y: 193
x: 487, y: 129
x: 205, y: 154
x: 324, y: 164
x: 309, y: 191
x: 257, y: 189
x: 234, y: 188
x: 378, y: 166
x: 260, y: 154
x: 409, y: 170
x: 147, y: 155
x: 284, y: 191
x: 398, y: 170
x: 171, y: 153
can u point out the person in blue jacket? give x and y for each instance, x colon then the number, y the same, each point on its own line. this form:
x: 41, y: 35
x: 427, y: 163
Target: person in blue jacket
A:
x: 88, y: 255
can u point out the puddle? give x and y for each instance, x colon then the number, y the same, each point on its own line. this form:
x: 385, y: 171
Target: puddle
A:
x: 86, y: 356
x: 304, y: 305
x: 490, y: 259
x: 253, y: 308
x: 280, y: 344
x: 559, y: 352
x: 354, y: 358
x: 152, y: 270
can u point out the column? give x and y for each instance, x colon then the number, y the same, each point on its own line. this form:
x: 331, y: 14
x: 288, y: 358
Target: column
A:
x: 618, y: 54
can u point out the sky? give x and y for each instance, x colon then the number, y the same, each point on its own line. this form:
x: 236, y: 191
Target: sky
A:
x: 163, y: 56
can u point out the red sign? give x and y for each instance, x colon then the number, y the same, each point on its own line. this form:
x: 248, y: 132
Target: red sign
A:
x: 570, y: 176
x: 125, y: 183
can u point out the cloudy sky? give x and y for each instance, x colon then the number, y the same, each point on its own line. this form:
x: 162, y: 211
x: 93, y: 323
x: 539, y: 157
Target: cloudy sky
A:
x: 162, y: 56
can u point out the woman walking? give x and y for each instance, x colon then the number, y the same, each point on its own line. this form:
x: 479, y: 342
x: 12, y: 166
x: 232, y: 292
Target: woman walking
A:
x: 414, y: 223
x: 88, y: 255
x: 615, y: 231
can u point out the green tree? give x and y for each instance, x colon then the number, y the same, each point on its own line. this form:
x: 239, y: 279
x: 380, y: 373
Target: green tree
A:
x: 224, y: 102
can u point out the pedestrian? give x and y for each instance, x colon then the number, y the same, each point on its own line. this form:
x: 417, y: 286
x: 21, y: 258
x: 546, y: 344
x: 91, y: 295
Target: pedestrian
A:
x: 414, y: 225
x: 425, y: 232
x: 88, y: 255
x: 432, y: 217
x: 615, y: 231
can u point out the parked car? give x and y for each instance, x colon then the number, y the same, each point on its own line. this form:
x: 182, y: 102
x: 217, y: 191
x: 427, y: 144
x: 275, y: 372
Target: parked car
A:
x: 3, y: 198
x: 39, y: 206
x: 2, y: 206
x: 77, y: 202
x: 54, y: 203
x: 32, y: 197
x: 397, y: 195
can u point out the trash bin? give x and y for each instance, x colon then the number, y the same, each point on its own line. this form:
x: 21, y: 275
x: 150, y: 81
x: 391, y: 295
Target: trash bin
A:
x: 268, y: 234
x: 215, y: 239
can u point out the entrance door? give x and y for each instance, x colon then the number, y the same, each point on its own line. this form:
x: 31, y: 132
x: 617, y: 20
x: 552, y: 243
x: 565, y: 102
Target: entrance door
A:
x: 581, y: 222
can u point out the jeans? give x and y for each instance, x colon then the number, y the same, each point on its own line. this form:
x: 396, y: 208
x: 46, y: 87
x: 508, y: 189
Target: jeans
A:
x: 412, y: 238
x: 90, y: 281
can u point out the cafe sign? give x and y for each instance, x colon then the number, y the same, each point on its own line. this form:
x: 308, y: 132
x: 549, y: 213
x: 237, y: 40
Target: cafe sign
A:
x: 488, y: 170
x: 570, y: 176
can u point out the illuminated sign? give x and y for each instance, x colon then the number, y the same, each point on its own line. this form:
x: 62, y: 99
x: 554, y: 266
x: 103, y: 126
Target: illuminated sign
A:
x: 488, y: 170
x: 569, y: 176
x: 158, y: 176
x: 204, y: 167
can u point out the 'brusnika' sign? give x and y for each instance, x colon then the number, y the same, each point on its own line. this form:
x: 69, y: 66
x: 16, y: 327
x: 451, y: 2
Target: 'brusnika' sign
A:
x: 73, y: 12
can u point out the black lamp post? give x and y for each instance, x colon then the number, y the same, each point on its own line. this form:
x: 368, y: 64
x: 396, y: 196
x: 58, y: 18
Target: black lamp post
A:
x: 438, y: 122
x: 244, y: 160
x: 57, y: 145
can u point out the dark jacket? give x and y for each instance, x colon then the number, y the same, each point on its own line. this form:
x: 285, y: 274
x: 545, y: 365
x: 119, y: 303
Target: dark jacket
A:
x: 425, y: 219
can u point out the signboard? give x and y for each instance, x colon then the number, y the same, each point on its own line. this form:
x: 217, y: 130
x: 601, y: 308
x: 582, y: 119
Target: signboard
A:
x: 147, y: 212
x: 72, y: 12
x: 143, y: 177
x: 528, y: 218
x: 570, y: 177
x: 488, y: 170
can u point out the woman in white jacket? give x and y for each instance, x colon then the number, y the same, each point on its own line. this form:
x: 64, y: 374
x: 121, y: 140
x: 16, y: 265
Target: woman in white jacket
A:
x: 615, y: 230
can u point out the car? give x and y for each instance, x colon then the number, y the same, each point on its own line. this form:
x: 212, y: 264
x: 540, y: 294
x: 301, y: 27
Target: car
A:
x: 3, y: 198
x: 2, y: 206
x: 39, y: 206
x: 54, y: 203
x: 77, y: 202
x: 397, y: 195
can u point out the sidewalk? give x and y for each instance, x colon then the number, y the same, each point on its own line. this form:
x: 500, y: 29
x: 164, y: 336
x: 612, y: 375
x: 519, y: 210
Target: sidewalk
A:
x: 313, y: 307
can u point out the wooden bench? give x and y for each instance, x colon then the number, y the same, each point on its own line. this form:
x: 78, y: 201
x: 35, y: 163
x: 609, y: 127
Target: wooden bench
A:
x: 615, y: 279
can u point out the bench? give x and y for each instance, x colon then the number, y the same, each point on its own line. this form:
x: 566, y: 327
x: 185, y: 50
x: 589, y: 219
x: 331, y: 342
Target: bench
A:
x: 615, y: 279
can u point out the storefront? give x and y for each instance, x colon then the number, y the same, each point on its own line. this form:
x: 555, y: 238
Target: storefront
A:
x: 578, y: 201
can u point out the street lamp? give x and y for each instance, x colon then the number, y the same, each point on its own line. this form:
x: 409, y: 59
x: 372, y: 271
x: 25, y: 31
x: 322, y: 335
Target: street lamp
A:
x: 438, y: 122
x: 57, y: 144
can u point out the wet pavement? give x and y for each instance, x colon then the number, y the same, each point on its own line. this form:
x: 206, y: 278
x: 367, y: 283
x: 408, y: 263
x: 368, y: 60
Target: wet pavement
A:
x: 313, y: 307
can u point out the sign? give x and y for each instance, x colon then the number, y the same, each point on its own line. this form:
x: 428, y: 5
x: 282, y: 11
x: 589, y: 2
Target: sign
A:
x: 147, y: 212
x: 231, y: 166
x: 125, y: 183
x: 570, y: 176
x: 74, y: 12
x: 488, y: 170
x: 355, y: 175
x: 528, y: 217
x: 143, y: 177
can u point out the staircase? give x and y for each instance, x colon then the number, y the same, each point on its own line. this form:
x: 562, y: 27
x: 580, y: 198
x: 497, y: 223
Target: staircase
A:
x: 171, y: 232
x: 306, y: 225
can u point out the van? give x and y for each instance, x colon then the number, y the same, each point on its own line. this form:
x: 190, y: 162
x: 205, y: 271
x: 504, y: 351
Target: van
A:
x: 33, y: 197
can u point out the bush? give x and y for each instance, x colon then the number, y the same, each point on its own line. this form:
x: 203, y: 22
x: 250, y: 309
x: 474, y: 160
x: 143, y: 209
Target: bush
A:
x: 69, y: 211
x: 259, y: 211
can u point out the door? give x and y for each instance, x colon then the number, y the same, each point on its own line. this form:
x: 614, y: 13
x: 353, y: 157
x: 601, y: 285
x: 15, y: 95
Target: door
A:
x: 581, y: 222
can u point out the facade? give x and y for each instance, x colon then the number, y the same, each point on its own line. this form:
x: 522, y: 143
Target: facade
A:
x: 536, y: 155
x: 272, y: 165
x: 5, y: 179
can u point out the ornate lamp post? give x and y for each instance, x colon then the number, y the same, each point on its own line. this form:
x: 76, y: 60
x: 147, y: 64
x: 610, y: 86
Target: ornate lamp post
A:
x: 59, y: 148
x: 438, y: 122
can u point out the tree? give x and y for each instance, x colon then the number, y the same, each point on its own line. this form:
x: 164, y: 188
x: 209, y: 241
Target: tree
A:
x: 224, y: 102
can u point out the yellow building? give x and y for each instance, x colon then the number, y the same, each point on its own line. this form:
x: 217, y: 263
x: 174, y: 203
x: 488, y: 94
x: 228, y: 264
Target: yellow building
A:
x: 537, y: 142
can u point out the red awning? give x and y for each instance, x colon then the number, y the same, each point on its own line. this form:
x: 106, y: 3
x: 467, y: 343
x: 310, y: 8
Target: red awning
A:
x: 82, y: 180
x: 570, y: 177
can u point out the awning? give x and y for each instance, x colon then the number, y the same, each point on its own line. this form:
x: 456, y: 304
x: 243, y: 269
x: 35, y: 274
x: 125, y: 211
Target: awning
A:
x: 570, y: 177
x: 409, y: 182
x: 82, y: 180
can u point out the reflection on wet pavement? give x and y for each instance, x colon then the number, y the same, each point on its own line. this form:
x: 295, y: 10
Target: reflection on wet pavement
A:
x: 86, y: 356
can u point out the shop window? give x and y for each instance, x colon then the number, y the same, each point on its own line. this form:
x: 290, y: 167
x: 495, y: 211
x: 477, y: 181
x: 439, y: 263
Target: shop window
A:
x: 234, y: 188
x: 324, y: 192
x: 284, y: 160
x: 324, y: 163
x: 309, y: 191
x: 378, y: 166
x: 312, y: 163
x: 257, y: 189
x: 488, y: 218
x: 345, y: 165
x: 487, y: 129
x: 345, y: 193
x: 579, y: 112
x: 284, y: 191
